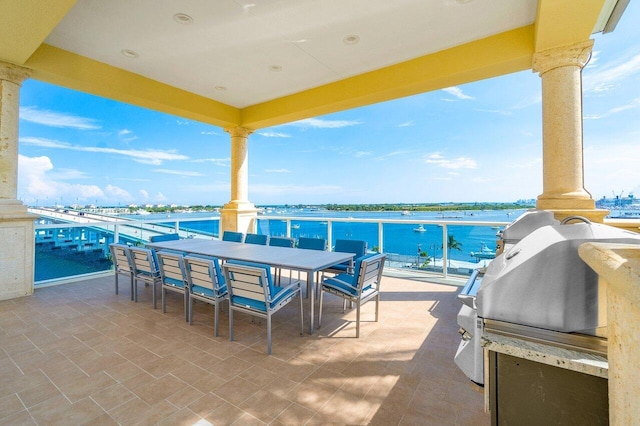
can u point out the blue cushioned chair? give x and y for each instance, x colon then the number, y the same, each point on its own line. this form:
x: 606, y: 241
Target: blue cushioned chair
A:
x: 347, y: 246
x: 145, y: 269
x: 256, y: 239
x: 163, y: 237
x: 122, y: 264
x: 359, y: 287
x: 281, y: 242
x: 172, y: 278
x: 312, y: 243
x: 252, y: 291
x: 235, y: 237
x: 205, y: 283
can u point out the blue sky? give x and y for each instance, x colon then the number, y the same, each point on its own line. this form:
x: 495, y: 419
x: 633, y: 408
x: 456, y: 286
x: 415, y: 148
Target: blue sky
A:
x: 476, y: 142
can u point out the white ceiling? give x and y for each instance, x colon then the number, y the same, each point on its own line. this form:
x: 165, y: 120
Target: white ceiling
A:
x: 228, y: 51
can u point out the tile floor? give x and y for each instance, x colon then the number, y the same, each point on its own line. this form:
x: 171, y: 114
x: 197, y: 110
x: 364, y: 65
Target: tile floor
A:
x: 79, y: 354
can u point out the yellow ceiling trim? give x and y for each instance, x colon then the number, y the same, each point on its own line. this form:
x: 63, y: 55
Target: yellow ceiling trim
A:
x: 501, y: 54
x: 25, y: 24
x: 564, y: 22
x: 61, y: 67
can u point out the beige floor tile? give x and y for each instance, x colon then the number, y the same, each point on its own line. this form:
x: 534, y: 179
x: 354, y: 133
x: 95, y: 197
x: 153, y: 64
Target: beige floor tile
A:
x: 10, y: 405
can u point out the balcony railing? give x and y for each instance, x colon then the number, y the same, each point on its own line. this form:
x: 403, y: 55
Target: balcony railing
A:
x: 66, y: 250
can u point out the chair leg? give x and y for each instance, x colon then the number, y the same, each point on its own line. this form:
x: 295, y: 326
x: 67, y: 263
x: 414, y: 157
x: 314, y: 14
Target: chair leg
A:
x: 357, y: 319
x: 135, y: 290
x: 163, y: 292
x: 116, y: 283
x: 301, y: 319
x: 131, y: 284
x: 216, y: 317
x: 153, y: 290
x: 320, y: 308
x: 344, y: 305
x: 190, y: 309
x: 230, y: 323
x: 268, y: 334
x: 377, y: 305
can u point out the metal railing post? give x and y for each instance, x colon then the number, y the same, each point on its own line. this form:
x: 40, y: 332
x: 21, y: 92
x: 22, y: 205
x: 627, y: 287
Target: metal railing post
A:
x: 380, y: 238
x: 445, y: 249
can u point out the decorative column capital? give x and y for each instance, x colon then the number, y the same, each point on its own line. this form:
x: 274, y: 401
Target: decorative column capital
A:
x: 13, y: 73
x: 238, y: 132
x: 576, y: 55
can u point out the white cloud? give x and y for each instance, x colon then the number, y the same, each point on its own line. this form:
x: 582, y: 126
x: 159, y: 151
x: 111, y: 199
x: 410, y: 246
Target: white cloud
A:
x: 406, y: 124
x: 122, y: 134
x: 223, y: 162
x: 57, y: 119
x: 277, y: 171
x: 496, y: 111
x: 633, y: 104
x: 159, y: 198
x: 360, y: 154
x: 325, y: 124
x: 178, y: 172
x: 69, y: 174
x: 457, y: 92
x: 395, y: 153
x: 36, y: 183
x: 144, y: 194
x: 116, y: 193
x: 455, y: 164
x: 602, y: 79
x: 208, y: 133
x: 183, y: 122
x: 274, y: 135
x: 153, y: 157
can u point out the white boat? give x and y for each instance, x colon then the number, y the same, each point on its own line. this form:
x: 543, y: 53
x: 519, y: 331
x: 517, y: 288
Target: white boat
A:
x: 419, y: 228
x: 295, y: 226
x: 406, y: 213
x: 484, y: 253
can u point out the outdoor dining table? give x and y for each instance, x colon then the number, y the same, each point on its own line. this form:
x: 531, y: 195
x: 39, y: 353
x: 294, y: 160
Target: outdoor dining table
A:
x: 309, y: 261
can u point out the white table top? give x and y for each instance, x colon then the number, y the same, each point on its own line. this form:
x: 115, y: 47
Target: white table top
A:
x: 283, y: 257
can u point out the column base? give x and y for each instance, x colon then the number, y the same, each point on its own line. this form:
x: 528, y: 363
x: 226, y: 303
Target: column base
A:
x: 594, y: 215
x: 238, y: 216
x: 17, y: 250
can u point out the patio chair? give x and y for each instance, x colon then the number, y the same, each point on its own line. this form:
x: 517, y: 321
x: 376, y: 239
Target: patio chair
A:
x: 312, y: 243
x: 172, y: 278
x: 163, y: 237
x: 282, y: 242
x: 347, y: 246
x: 145, y: 269
x: 122, y: 265
x: 359, y: 287
x: 235, y: 237
x: 205, y: 283
x: 258, y: 239
x: 252, y: 291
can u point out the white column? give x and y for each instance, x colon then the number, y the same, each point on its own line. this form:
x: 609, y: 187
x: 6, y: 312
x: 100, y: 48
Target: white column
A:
x: 563, y: 175
x: 239, y: 213
x: 17, y: 238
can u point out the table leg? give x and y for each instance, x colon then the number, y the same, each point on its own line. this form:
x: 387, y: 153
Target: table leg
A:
x: 312, y: 295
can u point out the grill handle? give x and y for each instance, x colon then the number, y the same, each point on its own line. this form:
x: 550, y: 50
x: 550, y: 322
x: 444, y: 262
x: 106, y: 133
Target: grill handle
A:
x: 570, y: 218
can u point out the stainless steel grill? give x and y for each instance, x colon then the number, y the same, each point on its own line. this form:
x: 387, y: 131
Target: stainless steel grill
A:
x: 538, y: 289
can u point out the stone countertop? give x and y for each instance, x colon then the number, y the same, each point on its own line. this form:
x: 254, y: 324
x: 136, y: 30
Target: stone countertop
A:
x: 581, y: 362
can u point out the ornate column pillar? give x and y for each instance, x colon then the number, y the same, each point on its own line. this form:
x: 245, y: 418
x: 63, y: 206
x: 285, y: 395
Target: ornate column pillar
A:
x: 16, y: 225
x: 563, y: 173
x: 239, y: 213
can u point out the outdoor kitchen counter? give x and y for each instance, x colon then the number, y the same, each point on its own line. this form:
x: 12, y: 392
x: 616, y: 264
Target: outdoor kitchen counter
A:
x: 578, y: 361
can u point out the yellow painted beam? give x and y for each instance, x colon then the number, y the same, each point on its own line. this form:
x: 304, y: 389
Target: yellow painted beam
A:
x: 25, y: 24
x: 564, y: 22
x: 493, y: 56
x: 61, y: 67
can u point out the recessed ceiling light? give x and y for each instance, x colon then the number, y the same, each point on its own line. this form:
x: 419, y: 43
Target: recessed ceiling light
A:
x: 275, y: 68
x: 220, y: 88
x: 129, y: 53
x: 351, y: 39
x: 183, y: 18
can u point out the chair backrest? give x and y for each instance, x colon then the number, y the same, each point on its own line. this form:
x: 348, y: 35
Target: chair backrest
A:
x: 312, y: 243
x: 204, y: 272
x: 163, y: 237
x: 121, y: 257
x: 236, y: 237
x: 351, y: 246
x: 281, y: 242
x: 144, y: 261
x: 171, y: 267
x: 256, y: 239
x: 368, y: 270
x: 250, y: 284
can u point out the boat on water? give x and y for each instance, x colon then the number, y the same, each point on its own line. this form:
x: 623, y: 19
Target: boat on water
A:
x: 419, y: 228
x: 406, y: 213
x: 484, y: 253
x: 295, y: 226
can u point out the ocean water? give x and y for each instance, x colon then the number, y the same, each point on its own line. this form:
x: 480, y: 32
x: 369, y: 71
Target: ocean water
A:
x: 400, y: 239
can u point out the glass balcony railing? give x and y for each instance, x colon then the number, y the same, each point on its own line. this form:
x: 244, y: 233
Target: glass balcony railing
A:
x: 65, y: 250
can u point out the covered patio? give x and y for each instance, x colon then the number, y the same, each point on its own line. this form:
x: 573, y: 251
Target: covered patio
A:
x: 79, y: 354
